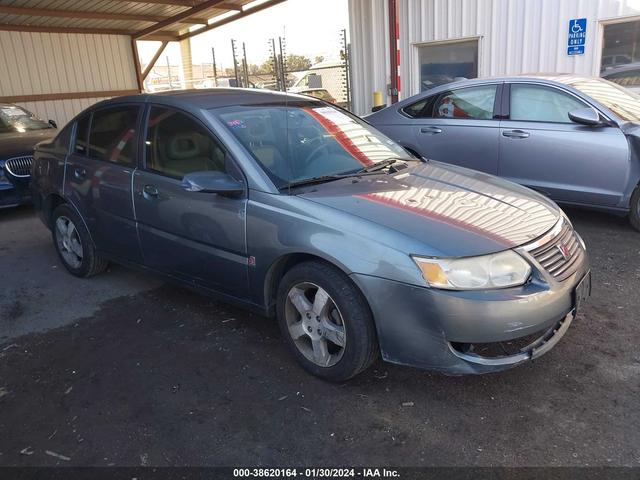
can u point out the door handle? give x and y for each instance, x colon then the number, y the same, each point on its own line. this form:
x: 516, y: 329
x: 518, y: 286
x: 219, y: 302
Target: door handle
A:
x: 515, y: 134
x: 150, y: 191
x: 431, y: 130
x: 79, y: 173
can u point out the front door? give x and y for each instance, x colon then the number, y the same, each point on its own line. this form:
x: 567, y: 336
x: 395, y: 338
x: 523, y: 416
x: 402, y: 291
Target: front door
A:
x: 98, y: 178
x: 458, y: 127
x: 540, y: 147
x: 198, y: 237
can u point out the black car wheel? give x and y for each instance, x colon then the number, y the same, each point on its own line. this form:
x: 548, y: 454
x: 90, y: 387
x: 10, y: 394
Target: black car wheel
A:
x: 634, y: 212
x: 74, y: 245
x: 326, y: 322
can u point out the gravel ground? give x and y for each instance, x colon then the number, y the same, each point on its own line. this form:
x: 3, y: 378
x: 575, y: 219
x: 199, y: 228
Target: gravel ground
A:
x: 126, y: 370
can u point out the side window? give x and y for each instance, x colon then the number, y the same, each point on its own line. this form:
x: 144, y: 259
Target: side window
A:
x: 536, y: 103
x: 112, y: 137
x: 415, y: 109
x: 82, y: 134
x: 64, y: 138
x: 467, y: 103
x: 176, y: 145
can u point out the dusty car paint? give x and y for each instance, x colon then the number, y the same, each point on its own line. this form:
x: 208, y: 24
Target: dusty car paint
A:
x: 573, y: 164
x: 368, y: 226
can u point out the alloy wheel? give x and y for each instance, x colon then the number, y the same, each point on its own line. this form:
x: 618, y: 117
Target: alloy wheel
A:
x: 68, y: 241
x: 315, y: 324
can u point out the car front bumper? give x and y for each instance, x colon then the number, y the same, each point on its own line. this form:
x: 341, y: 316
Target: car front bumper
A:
x: 12, y: 195
x: 441, y: 330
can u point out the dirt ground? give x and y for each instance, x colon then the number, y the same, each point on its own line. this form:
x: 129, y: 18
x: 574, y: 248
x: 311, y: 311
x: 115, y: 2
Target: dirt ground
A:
x: 126, y: 370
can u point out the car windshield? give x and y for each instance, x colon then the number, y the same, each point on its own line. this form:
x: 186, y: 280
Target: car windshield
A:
x: 302, y: 140
x: 619, y: 100
x: 17, y: 119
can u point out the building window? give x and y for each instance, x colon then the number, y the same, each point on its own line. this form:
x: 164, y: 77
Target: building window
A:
x: 621, y: 54
x: 445, y: 62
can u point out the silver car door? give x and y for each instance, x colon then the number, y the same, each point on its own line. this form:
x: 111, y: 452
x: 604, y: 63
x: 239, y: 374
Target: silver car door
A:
x: 540, y: 147
x: 459, y: 127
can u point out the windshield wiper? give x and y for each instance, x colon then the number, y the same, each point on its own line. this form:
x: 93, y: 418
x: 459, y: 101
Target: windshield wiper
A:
x: 314, y: 180
x: 378, y: 165
x: 323, y: 179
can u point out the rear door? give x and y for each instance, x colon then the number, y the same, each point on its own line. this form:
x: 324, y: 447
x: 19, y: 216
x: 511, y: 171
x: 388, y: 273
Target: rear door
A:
x: 540, y: 147
x: 460, y: 127
x: 98, y: 177
x: 197, y: 237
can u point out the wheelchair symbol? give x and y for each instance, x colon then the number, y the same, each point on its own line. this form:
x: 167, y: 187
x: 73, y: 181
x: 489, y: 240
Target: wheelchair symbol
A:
x: 576, y: 28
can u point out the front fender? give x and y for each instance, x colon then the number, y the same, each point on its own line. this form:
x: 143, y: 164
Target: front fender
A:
x: 281, y: 225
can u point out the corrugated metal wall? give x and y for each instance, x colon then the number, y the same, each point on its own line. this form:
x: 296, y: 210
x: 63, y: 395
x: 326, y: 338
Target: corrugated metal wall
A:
x: 516, y: 36
x: 44, y: 63
x: 369, y: 51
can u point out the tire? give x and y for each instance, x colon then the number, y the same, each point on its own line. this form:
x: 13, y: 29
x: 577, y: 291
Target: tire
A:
x: 634, y: 211
x: 345, y: 323
x: 74, y: 246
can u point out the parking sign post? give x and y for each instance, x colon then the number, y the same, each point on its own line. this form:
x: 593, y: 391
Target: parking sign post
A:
x: 577, y: 38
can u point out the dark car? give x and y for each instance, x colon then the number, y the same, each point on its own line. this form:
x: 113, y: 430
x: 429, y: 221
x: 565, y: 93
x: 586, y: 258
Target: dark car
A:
x: 295, y: 208
x: 575, y: 139
x: 20, y: 131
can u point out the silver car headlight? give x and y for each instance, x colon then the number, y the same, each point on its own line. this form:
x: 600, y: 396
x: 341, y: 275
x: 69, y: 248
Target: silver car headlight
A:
x: 498, y: 270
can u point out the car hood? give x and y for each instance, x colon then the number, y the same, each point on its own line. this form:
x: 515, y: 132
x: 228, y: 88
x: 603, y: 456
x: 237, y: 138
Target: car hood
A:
x: 15, y: 144
x: 452, y: 211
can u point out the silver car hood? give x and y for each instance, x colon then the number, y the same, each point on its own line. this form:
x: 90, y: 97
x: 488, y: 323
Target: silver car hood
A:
x: 452, y: 210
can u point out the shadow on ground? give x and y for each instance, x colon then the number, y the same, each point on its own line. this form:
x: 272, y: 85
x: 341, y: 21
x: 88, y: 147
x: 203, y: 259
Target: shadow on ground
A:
x: 168, y: 377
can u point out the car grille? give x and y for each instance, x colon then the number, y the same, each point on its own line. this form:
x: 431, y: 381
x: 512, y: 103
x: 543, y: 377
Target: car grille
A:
x: 561, y: 254
x: 19, y: 166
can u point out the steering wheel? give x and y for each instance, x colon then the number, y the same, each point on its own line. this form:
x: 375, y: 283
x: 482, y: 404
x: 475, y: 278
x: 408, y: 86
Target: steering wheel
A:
x: 314, y: 153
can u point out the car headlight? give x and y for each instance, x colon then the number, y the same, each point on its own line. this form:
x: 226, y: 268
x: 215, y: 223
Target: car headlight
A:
x: 499, y: 270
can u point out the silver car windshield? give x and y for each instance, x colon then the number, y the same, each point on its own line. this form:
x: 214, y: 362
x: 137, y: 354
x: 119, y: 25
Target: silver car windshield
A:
x: 621, y: 101
x: 304, y: 140
x: 17, y: 119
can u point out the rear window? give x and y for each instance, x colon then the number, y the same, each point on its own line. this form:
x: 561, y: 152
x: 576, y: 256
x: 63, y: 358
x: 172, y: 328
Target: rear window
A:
x: 113, y: 134
x: 82, y: 135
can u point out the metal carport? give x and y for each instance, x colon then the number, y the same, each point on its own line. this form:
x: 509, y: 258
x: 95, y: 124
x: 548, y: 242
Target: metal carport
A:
x: 58, y: 57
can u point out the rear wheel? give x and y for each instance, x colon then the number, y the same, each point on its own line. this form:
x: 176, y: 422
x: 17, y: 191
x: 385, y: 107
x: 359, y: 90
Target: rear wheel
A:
x: 74, y: 245
x: 325, y: 321
x: 634, y: 212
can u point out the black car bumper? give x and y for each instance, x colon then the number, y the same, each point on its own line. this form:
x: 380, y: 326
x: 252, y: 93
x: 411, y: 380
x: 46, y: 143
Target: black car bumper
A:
x: 13, y: 195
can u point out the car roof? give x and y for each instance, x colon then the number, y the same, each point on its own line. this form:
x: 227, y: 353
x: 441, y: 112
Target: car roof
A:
x: 568, y: 79
x: 208, y: 98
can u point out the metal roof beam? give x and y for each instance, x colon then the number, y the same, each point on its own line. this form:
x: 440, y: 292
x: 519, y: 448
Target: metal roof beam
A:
x: 170, y: 36
x: 184, y: 3
x: 242, y: 14
x: 178, y: 18
x: 43, y: 12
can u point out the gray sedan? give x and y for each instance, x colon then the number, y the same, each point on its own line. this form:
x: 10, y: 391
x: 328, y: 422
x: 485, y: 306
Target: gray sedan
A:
x: 574, y: 139
x: 296, y: 209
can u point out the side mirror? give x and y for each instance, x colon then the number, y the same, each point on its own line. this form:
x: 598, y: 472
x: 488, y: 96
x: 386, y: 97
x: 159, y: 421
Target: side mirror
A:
x: 53, y: 123
x: 586, y: 116
x: 212, y: 182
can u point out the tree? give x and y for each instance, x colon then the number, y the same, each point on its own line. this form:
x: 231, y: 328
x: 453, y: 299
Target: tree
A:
x: 296, y: 63
x: 319, y: 59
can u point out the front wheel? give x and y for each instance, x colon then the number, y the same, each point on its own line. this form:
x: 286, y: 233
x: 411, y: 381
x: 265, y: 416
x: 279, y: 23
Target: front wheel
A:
x: 634, y: 211
x: 325, y: 321
x: 74, y: 245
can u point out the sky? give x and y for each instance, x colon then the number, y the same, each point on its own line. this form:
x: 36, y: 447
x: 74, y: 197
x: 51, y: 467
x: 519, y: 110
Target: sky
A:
x: 311, y: 27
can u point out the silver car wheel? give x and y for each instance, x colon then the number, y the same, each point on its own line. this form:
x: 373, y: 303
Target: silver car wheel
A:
x: 315, y: 324
x: 68, y: 241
